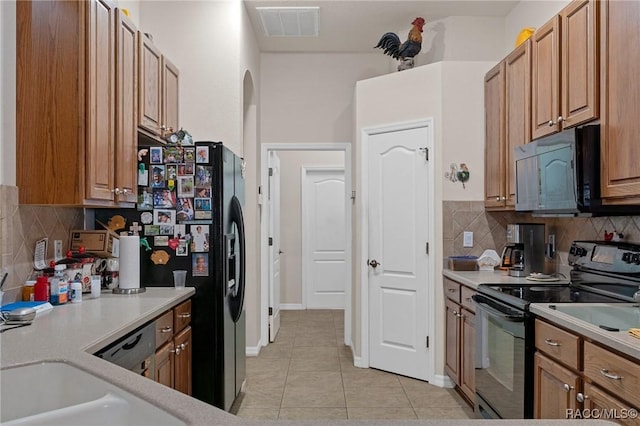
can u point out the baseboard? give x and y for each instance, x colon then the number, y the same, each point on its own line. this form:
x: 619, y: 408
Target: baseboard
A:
x: 254, y: 350
x: 291, y: 307
x: 442, y: 381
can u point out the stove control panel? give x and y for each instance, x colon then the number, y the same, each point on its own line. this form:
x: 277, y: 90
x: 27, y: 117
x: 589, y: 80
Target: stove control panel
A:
x: 612, y: 257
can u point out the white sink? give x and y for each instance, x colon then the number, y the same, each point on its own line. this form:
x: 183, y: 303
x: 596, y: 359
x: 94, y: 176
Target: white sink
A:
x: 59, y: 393
x: 621, y: 317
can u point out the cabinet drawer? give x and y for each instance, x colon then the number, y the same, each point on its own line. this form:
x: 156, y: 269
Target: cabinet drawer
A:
x: 465, y: 298
x: 559, y: 344
x: 181, y: 316
x: 452, y: 290
x: 164, y: 328
x: 613, y: 372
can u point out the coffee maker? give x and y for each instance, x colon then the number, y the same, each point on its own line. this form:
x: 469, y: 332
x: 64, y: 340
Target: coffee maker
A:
x: 524, y: 251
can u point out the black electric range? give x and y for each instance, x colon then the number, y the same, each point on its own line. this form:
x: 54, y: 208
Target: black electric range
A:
x: 602, y: 272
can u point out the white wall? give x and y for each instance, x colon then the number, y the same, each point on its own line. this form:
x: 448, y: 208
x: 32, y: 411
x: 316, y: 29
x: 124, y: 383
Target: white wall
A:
x: 528, y: 13
x: 291, y: 217
x: 8, y: 92
x: 306, y: 98
x: 202, y: 38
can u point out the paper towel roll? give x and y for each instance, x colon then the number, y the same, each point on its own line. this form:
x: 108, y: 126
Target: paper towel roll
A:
x: 129, y: 262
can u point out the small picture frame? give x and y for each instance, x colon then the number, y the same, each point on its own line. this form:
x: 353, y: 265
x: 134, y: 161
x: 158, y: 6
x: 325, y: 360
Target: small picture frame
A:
x: 166, y: 229
x: 189, y: 168
x: 202, y: 204
x: 185, y: 209
x: 199, y: 238
x: 158, y: 176
x: 182, y: 169
x: 143, y: 175
x: 179, y: 231
x: 172, y: 171
x: 145, y: 199
x: 202, y: 215
x: 185, y: 186
x: 164, y: 217
x: 172, y: 154
x: 203, y: 176
x: 202, y: 154
x: 151, y: 230
x: 156, y: 155
x: 183, y: 248
x: 164, y: 199
x: 200, y: 265
x: 189, y: 155
x: 203, y: 193
x: 161, y: 241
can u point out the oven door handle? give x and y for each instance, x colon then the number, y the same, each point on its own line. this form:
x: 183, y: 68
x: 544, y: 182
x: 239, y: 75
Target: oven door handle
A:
x: 495, y: 312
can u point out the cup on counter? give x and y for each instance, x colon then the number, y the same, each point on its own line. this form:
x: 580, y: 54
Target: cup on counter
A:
x: 96, y: 282
x: 179, y: 278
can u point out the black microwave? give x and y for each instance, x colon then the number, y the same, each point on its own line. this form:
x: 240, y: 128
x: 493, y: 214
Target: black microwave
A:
x: 559, y: 175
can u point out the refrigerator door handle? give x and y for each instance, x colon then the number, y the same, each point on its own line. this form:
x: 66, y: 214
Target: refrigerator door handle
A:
x: 231, y: 285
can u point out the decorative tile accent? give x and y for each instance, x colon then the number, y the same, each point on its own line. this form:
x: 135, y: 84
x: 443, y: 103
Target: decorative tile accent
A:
x: 22, y: 225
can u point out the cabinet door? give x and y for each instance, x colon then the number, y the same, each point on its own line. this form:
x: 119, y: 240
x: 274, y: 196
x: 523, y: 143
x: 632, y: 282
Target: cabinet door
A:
x: 164, y: 372
x: 150, y: 90
x: 126, y: 109
x: 596, y: 399
x: 452, y: 349
x: 100, y: 92
x: 467, y: 354
x: 555, y: 389
x: 183, y: 368
x: 579, y: 66
x: 517, y: 110
x: 494, y: 170
x: 619, y: 107
x: 169, y: 96
x: 545, y: 78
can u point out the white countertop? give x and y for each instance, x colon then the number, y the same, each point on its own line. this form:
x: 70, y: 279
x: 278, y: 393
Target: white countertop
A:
x: 73, y: 332
x: 474, y: 278
x: 618, y: 340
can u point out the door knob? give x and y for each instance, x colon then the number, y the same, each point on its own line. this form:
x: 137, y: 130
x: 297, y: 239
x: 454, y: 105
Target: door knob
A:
x: 374, y: 263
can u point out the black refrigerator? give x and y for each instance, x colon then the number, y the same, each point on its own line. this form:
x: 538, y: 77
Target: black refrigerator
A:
x: 189, y: 212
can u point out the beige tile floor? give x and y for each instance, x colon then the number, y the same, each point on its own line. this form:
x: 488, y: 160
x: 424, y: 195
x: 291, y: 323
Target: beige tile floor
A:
x: 308, y: 373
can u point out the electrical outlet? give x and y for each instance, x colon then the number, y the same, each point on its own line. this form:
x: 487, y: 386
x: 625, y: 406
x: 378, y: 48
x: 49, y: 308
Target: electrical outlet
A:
x: 467, y: 240
x: 57, y: 250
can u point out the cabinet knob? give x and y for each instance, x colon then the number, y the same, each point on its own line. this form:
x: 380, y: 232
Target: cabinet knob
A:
x: 580, y: 397
x: 498, y: 198
x: 560, y: 119
x: 176, y: 351
x: 116, y: 191
x: 551, y: 123
x: 567, y: 387
x: 504, y: 198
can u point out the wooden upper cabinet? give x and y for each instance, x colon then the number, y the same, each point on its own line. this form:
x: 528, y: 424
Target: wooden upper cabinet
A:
x: 494, y: 100
x: 517, y: 110
x: 150, y: 91
x: 545, y: 74
x: 158, y: 93
x: 65, y: 109
x: 565, y: 70
x: 169, y: 95
x: 579, y: 66
x: 620, y: 126
x: 126, y: 109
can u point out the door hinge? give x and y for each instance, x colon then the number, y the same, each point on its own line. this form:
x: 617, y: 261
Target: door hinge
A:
x: 427, y: 341
x: 270, y: 310
x: 427, y: 248
x: 270, y: 171
x: 270, y: 241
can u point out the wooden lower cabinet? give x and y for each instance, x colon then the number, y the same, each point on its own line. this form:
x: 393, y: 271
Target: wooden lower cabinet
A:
x: 173, y: 357
x: 607, y: 407
x: 555, y: 389
x: 460, y: 338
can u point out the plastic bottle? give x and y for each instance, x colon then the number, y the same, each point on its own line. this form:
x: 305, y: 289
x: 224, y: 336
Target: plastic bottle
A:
x: 59, y: 286
x: 41, y: 289
x: 76, y: 292
x: 28, y: 291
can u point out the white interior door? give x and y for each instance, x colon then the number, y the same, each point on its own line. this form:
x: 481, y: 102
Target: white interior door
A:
x: 324, y: 238
x: 398, y: 253
x: 274, y: 245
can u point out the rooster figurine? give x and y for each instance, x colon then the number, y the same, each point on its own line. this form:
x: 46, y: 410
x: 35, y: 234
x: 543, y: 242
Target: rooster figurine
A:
x: 405, y: 52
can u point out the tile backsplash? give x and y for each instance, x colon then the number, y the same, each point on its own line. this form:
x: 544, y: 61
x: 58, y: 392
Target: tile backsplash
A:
x: 22, y: 225
x: 489, y: 228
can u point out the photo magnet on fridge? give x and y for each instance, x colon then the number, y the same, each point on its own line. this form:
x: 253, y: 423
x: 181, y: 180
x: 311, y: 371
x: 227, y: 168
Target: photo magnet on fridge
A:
x: 185, y: 186
x: 202, y: 154
x: 164, y: 217
x: 156, y: 155
x: 185, y: 209
x: 199, y: 238
x: 166, y: 229
x: 189, y: 154
x: 200, y: 265
x: 158, y: 177
x: 145, y: 199
x: 183, y: 248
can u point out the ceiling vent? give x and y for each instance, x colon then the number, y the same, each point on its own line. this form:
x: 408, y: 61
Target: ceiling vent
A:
x: 289, y: 21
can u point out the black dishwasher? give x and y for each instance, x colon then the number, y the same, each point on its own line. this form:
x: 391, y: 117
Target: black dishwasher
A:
x: 135, y: 351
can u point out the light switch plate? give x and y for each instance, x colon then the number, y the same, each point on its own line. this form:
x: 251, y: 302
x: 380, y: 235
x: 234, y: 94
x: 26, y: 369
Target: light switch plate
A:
x: 467, y: 239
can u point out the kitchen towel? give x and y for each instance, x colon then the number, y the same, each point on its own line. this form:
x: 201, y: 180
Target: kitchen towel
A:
x: 129, y: 262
